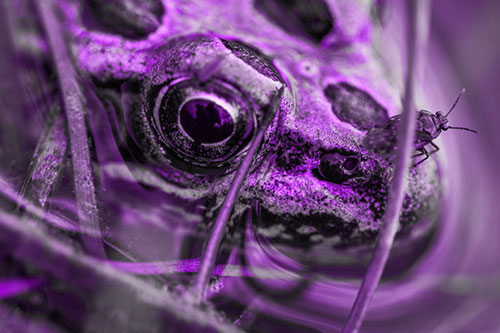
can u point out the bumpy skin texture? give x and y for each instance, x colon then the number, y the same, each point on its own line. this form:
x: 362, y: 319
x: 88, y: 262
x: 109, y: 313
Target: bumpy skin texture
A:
x: 298, y: 206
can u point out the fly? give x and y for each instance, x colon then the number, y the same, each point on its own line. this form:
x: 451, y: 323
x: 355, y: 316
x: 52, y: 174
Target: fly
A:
x: 381, y: 139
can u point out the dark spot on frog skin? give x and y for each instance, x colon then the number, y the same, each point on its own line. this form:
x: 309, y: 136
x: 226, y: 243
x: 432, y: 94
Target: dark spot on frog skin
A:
x: 294, y: 150
x: 374, y: 192
x: 311, y: 19
x: 324, y: 224
x: 133, y: 19
x: 355, y: 106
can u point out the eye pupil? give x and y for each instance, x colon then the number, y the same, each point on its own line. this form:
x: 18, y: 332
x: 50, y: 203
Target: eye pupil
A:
x: 350, y: 164
x: 205, y: 121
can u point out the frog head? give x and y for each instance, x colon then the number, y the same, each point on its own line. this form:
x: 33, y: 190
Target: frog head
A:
x: 184, y: 100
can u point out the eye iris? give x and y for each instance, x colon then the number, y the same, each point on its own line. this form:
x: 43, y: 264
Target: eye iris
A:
x: 205, y: 121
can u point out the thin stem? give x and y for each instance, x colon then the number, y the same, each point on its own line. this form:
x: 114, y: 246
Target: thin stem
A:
x: 390, y: 222
x: 47, y: 160
x: 208, y: 259
x: 75, y: 114
x: 33, y: 246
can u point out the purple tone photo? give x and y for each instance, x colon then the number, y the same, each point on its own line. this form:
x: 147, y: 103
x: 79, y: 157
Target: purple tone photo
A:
x: 249, y: 166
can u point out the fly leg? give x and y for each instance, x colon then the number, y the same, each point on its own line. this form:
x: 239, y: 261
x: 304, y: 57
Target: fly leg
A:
x: 424, y: 151
x: 436, y: 148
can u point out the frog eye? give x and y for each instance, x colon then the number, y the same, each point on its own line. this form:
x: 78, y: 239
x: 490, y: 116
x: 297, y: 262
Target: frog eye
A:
x: 203, y: 124
x: 193, y: 110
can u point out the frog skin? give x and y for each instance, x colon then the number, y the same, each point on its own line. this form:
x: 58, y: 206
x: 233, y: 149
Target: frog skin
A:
x: 314, y: 193
x: 336, y: 89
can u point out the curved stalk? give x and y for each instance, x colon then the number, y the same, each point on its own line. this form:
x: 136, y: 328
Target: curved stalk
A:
x: 75, y: 115
x: 417, y: 23
x: 209, y: 256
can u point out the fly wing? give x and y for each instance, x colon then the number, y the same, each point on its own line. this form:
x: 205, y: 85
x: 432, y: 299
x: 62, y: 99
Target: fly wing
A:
x: 381, y: 141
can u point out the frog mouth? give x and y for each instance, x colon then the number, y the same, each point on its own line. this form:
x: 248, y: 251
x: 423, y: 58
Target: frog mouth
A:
x: 327, y: 244
x: 287, y: 278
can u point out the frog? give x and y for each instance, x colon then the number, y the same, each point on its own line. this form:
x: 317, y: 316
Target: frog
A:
x: 175, y: 92
x: 314, y: 185
x: 313, y: 182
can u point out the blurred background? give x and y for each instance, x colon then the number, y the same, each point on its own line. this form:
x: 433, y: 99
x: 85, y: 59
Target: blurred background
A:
x: 463, y: 52
x: 468, y: 36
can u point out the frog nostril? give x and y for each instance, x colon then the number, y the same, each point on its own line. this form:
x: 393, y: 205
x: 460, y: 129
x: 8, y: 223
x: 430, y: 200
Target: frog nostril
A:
x: 338, y: 168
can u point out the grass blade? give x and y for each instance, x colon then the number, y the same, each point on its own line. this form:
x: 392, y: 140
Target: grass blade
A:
x: 47, y: 160
x: 208, y: 259
x: 390, y: 221
x: 32, y: 245
x: 75, y: 116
